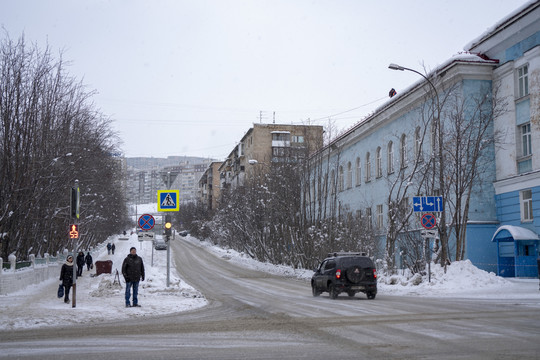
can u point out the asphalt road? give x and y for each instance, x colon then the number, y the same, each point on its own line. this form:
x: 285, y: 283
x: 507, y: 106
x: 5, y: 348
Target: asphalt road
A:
x: 254, y: 315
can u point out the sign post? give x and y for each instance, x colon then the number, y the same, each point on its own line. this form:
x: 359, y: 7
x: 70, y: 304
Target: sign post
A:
x: 168, y: 200
x: 427, y: 205
x: 74, y: 235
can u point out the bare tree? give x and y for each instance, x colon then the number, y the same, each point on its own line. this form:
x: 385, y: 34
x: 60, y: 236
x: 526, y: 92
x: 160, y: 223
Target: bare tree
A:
x: 50, y: 135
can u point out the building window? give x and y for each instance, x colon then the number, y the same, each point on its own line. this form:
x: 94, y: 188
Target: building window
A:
x: 526, y: 140
x: 349, y: 175
x: 525, y: 198
x: 332, y: 182
x: 358, y: 172
x: 378, y: 163
x: 390, y: 157
x: 368, y: 168
x: 379, y: 216
x: 434, y: 150
x: 403, y: 152
x: 418, y: 145
x: 341, y: 187
x: 297, y: 139
x: 368, y: 218
x: 523, y: 81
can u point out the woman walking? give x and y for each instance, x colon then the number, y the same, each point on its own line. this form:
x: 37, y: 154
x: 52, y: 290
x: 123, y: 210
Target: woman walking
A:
x: 66, y: 277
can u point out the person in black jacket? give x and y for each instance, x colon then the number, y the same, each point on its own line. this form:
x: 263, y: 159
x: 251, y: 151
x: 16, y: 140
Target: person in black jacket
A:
x: 80, y: 263
x: 133, y: 272
x: 89, y: 261
x: 66, y: 277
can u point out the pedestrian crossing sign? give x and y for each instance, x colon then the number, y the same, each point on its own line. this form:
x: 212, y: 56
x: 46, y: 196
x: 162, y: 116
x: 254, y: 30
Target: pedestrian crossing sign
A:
x: 168, y: 200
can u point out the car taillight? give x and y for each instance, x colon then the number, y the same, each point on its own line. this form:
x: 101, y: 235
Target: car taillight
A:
x: 338, y: 274
x: 374, y: 273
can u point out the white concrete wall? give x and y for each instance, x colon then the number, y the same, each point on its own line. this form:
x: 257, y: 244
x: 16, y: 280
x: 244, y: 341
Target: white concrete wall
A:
x: 12, y: 281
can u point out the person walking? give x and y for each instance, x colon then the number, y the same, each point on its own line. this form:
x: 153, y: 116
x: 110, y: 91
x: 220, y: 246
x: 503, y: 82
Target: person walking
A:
x: 89, y: 261
x: 80, y: 263
x: 133, y: 272
x: 112, y: 248
x: 66, y: 277
x: 109, y: 249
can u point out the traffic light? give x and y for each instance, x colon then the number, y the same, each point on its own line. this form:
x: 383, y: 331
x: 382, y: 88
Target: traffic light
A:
x: 168, y: 226
x: 75, y: 195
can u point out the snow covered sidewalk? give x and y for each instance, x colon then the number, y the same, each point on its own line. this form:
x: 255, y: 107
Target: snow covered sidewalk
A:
x: 98, y: 299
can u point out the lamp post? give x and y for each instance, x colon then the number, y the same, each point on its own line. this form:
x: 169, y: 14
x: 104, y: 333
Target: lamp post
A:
x: 437, y: 120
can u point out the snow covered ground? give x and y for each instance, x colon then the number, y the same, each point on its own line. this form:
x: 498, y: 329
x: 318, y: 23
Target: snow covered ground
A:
x: 98, y: 299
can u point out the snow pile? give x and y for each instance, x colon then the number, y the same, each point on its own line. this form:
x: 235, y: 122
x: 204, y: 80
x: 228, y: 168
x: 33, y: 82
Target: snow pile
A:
x: 460, y: 276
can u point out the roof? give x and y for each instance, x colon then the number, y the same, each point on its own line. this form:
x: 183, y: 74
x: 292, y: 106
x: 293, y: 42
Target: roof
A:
x: 461, y: 58
x: 503, y: 23
x: 516, y: 232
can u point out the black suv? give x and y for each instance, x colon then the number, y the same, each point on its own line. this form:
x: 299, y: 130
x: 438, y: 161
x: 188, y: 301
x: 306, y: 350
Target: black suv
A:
x: 345, y: 272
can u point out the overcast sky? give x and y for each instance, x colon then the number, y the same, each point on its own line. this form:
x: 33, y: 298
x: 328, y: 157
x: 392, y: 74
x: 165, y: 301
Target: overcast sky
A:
x: 191, y: 77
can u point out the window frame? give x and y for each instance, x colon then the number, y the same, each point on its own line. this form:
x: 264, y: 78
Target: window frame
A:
x: 358, y: 171
x: 380, y: 216
x: 525, y: 139
x: 378, y: 163
x: 526, y: 206
x: 368, y: 167
x: 403, y: 151
x: 522, y: 74
x: 390, y: 156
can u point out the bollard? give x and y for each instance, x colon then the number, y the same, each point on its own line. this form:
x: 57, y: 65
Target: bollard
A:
x: 1, y: 266
x: 33, y: 260
x: 46, y: 256
x: 13, y: 262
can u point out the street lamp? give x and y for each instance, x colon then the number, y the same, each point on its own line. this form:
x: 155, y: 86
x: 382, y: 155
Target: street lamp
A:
x: 437, y: 120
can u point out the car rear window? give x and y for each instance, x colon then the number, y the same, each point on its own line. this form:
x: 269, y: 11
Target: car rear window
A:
x: 363, y: 262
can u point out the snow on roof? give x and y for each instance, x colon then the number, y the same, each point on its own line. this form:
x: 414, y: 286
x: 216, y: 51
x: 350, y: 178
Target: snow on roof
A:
x: 490, y: 31
x: 462, y: 57
x: 517, y: 232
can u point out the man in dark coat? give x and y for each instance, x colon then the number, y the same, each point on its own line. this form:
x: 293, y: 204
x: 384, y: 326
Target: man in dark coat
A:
x: 133, y: 272
x: 66, y: 277
x: 80, y: 263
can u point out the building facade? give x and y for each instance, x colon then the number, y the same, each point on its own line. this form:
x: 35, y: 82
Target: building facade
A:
x: 209, y: 188
x: 515, y: 42
x: 266, y: 144
x: 380, y: 162
x: 145, y: 176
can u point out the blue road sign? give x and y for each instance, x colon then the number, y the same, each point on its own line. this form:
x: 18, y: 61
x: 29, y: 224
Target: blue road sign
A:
x: 146, y: 222
x: 428, y: 204
x: 168, y: 200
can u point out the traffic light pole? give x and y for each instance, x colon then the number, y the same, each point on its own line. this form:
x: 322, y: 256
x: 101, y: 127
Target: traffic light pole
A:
x: 75, y: 213
x: 168, y: 261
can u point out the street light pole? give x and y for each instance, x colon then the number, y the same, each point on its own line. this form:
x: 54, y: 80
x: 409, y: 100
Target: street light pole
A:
x: 437, y: 120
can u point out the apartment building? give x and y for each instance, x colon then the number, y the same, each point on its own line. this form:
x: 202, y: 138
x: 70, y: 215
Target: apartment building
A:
x: 145, y: 176
x: 209, y: 188
x: 266, y: 144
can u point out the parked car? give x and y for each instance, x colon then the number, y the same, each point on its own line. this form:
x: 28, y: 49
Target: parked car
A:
x: 345, y: 272
x: 159, y: 243
x: 184, y: 233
